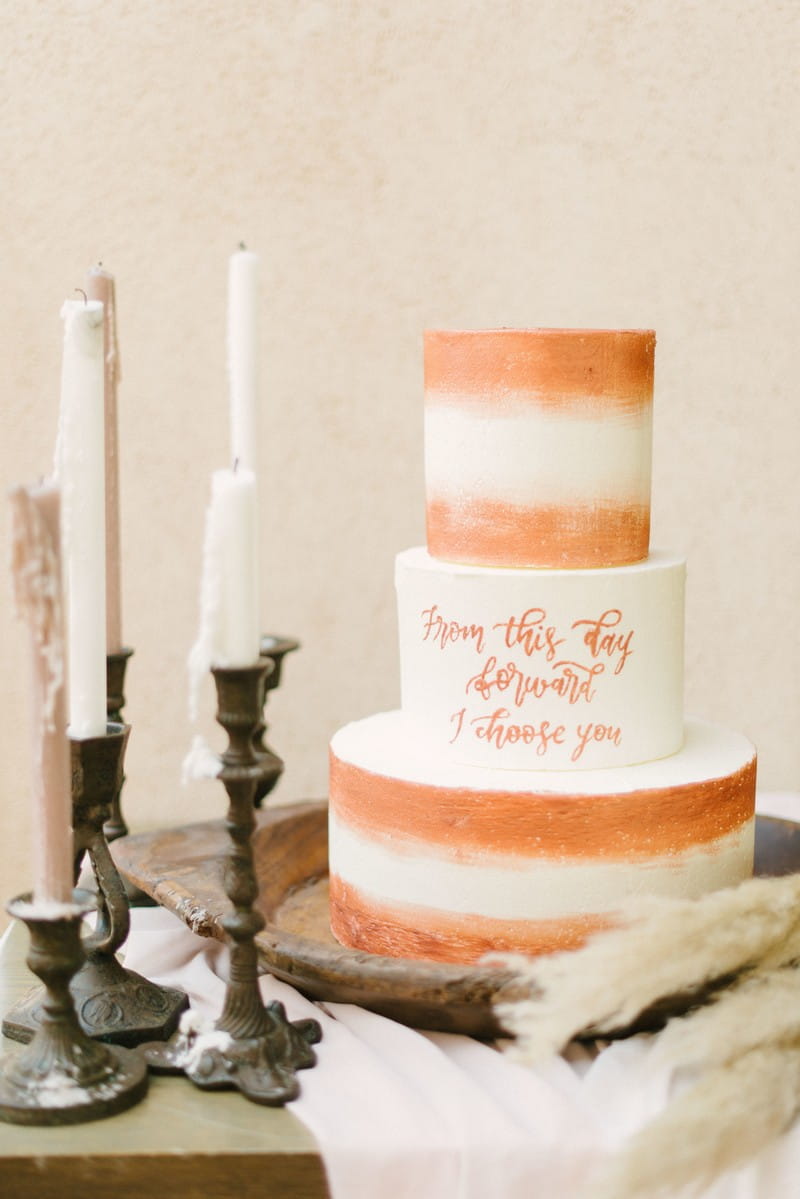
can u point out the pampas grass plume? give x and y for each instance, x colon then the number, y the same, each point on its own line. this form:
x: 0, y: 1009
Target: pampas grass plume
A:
x: 726, y: 1117
x: 667, y: 947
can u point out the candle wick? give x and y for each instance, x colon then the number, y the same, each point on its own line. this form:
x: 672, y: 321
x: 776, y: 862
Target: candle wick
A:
x: 242, y: 245
x: 83, y: 293
x: 235, y: 465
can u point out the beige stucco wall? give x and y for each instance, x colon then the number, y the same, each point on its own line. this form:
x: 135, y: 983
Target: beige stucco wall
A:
x: 430, y: 163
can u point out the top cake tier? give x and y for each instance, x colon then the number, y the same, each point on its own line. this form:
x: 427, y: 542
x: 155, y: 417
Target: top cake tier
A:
x: 538, y: 446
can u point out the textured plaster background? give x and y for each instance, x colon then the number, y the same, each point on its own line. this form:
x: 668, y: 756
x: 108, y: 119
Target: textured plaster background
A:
x: 399, y: 166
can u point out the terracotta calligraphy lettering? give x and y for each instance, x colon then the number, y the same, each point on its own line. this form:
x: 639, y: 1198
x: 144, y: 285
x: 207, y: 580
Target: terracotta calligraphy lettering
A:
x: 443, y: 631
x: 601, y: 640
x: 594, y: 732
x: 497, y: 732
x: 573, y: 682
x: 459, y: 718
x: 530, y: 632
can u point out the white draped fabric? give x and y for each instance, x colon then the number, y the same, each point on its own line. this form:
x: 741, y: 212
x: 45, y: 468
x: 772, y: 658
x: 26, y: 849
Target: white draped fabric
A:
x: 416, y: 1115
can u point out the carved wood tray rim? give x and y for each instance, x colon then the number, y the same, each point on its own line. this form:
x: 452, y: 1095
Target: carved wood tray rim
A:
x: 181, y: 868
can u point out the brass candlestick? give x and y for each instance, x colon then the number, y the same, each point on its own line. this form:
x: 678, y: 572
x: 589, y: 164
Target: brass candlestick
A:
x: 116, y: 825
x: 274, y: 649
x: 112, y: 1004
x: 252, y: 1046
x: 116, y: 666
x: 63, y: 1076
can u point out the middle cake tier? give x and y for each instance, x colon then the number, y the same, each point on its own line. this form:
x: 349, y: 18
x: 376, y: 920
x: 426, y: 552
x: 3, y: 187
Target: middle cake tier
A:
x: 543, y: 669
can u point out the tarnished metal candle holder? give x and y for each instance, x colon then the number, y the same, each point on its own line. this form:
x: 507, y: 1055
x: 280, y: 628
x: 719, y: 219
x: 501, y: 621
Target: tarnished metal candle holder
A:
x: 274, y: 649
x: 116, y: 825
x: 63, y: 1076
x: 112, y: 1004
x: 116, y: 664
x: 253, y: 1046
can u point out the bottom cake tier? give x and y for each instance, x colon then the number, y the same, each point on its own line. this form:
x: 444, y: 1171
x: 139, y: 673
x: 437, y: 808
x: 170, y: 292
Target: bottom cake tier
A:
x: 445, y: 862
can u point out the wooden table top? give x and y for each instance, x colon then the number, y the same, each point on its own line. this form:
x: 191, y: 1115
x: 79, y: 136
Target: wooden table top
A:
x: 179, y: 1141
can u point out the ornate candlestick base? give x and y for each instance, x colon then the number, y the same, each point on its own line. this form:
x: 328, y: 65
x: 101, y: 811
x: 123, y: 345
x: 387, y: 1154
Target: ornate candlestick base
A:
x: 64, y: 1077
x: 261, y: 1066
x: 112, y: 1004
x: 274, y: 649
x: 252, y: 1046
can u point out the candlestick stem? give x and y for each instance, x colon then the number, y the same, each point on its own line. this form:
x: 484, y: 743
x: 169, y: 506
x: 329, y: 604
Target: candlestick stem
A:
x: 274, y: 649
x: 238, y: 693
x: 116, y: 666
x: 116, y: 825
x: 252, y: 1046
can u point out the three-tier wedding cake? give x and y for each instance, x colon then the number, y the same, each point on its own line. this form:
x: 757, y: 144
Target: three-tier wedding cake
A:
x: 539, y: 773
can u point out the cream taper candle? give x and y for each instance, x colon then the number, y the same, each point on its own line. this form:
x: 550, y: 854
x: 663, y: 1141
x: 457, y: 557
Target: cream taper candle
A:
x: 243, y: 357
x: 229, y: 633
x: 36, y: 568
x: 100, y: 286
x: 234, y: 501
x: 81, y: 475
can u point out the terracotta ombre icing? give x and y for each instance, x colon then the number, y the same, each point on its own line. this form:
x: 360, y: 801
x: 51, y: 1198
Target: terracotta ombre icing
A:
x: 540, y: 774
x: 494, y: 533
x: 409, y: 931
x: 538, y: 446
x: 569, y: 369
x: 642, y: 824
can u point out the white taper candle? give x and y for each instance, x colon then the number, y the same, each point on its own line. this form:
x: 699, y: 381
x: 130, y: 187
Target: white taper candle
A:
x: 229, y: 629
x: 81, y: 474
x: 100, y: 286
x: 243, y: 357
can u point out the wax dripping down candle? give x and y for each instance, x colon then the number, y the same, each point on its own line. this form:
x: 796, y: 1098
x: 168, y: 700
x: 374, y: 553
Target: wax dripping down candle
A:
x: 229, y: 627
x: 100, y: 286
x: 80, y: 465
x: 36, y: 566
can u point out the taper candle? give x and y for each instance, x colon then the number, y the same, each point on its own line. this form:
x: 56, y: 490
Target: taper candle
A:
x: 234, y: 501
x: 243, y: 357
x: 229, y: 633
x: 81, y: 475
x: 36, y: 567
x: 100, y: 286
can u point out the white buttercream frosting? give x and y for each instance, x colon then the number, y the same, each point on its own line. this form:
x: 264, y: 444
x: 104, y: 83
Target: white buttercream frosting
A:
x: 535, y: 455
x: 388, y: 744
x: 519, y: 889
x: 543, y: 669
